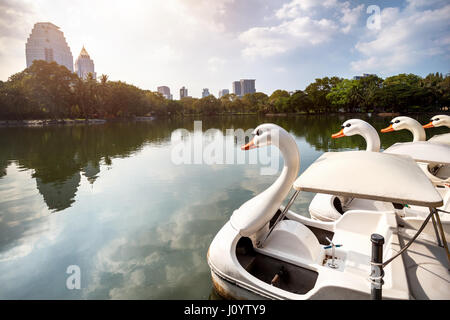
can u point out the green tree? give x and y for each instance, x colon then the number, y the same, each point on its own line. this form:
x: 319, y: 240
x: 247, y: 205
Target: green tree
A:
x: 318, y: 91
x: 50, y: 88
x: 300, y: 102
x: 207, y: 105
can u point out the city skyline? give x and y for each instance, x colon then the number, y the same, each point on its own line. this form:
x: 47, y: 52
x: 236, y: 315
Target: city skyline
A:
x: 283, y: 44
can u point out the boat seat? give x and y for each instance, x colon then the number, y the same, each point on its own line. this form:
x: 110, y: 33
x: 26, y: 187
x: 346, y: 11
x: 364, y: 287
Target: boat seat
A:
x: 323, y: 207
x: 443, y: 173
x: 338, y: 205
x: 326, y: 207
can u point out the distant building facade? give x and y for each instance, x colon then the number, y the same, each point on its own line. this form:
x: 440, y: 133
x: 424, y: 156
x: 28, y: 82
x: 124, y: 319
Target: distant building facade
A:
x: 47, y: 42
x: 183, y: 92
x: 84, y: 65
x: 236, y: 86
x: 165, y: 91
x: 244, y: 86
x: 223, y: 92
x: 365, y: 75
x: 205, y: 92
x: 247, y: 86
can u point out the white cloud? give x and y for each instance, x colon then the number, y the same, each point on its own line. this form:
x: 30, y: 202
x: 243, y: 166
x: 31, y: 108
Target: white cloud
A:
x: 350, y: 16
x: 216, y: 64
x: 303, y: 23
x: 296, y: 8
x: 406, y: 37
x: 302, y: 31
x: 165, y: 54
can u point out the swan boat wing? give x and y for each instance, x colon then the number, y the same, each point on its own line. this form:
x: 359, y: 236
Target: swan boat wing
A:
x: 440, y: 138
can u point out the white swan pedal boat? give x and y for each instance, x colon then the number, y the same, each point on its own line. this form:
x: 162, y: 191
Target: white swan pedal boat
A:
x: 261, y: 253
x: 327, y: 207
x: 439, y: 121
x: 438, y: 173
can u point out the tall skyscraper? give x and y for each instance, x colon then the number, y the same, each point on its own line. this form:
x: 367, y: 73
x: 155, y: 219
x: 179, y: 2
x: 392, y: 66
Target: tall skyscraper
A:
x: 205, y: 92
x: 47, y: 42
x: 223, y: 92
x: 183, y: 92
x: 165, y: 91
x: 247, y: 86
x: 84, y: 65
x: 236, y: 85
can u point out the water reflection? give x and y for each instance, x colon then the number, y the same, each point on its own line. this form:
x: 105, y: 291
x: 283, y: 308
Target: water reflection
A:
x: 58, y: 155
x: 108, y: 198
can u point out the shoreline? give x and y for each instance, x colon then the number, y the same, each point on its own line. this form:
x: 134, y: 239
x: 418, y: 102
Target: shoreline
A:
x: 52, y: 122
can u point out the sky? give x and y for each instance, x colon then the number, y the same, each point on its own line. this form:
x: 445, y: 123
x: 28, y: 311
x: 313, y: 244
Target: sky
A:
x: 283, y: 44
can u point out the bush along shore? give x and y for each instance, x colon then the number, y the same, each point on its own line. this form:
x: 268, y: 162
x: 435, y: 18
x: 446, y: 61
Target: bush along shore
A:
x: 50, y: 91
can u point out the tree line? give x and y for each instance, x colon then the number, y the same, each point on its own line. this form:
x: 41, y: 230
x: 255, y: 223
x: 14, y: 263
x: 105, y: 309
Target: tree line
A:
x: 47, y: 90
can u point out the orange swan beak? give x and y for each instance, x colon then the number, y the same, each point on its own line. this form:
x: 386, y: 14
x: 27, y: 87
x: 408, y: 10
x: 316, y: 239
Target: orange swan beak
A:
x: 388, y: 129
x: 428, y: 125
x: 339, y: 134
x: 248, y: 146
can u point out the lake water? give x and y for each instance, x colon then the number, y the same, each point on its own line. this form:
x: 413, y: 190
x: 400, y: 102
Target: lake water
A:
x: 110, y: 199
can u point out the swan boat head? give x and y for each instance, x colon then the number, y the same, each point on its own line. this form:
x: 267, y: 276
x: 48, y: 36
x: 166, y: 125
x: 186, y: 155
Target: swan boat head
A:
x: 360, y: 127
x: 254, y: 214
x: 407, y: 123
x: 438, y: 121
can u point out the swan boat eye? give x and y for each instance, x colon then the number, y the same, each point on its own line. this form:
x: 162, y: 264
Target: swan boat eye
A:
x: 437, y: 119
x: 348, y: 125
x: 397, y: 121
x: 258, y: 132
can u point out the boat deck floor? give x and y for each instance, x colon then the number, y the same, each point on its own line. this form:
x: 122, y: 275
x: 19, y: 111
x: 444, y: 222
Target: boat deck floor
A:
x: 426, y: 266
x: 278, y: 273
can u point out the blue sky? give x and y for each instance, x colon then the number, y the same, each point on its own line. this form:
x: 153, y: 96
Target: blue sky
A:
x: 210, y: 43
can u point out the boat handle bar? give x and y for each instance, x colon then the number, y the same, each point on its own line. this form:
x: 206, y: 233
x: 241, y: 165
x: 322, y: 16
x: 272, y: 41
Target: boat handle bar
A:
x: 280, y: 217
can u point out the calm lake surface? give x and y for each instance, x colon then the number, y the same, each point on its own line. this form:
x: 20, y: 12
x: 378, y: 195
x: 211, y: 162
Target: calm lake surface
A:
x: 110, y: 199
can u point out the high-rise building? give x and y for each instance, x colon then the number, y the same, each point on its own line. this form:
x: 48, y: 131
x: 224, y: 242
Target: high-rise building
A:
x: 84, y: 65
x: 47, y: 42
x: 183, y: 92
x: 205, y: 92
x: 165, y: 91
x: 223, y: 92
x: 365, y: 75
x: 236, y: 85
x: 247, y: 86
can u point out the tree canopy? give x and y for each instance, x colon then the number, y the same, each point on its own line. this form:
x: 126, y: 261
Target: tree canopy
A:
x: 50, y: 91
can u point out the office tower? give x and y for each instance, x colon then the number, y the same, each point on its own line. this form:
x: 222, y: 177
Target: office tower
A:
x: 84, y: 65
x: 205, y: 92
x: 183, y: 92
x: 47, y: 42
x: 223, y: 92
x: 165, y: 91
x: 247, y: 86
x: 365, y: 75
x: 236, y: 85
